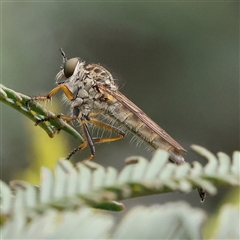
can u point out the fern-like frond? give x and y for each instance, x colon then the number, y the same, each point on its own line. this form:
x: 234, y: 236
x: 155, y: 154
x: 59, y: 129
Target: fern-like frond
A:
x: 36, y: 112
x: 70, y: 187
x: 170, y: 221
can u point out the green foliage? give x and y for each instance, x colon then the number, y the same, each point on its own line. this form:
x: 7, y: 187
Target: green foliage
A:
x: 67, y: 203
x: 36, y: 113
x: 61, y: 200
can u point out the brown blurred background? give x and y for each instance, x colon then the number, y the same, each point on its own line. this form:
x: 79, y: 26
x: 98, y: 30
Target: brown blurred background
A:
x: 178, y: 61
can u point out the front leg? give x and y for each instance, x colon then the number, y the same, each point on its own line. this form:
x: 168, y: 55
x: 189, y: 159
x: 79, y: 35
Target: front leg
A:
x: 68, y: 94
x: 58, y: 116
x: 65, y: 89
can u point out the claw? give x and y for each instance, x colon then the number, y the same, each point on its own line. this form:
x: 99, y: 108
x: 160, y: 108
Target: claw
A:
x: 27, y: 104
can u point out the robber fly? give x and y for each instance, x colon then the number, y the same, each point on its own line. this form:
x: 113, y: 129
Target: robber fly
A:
x: 94, y: 99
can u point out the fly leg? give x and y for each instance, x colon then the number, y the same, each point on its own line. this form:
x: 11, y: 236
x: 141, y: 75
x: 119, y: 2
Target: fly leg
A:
x: 58, y: 116
x: 90, y: 141
x: 48, y: 96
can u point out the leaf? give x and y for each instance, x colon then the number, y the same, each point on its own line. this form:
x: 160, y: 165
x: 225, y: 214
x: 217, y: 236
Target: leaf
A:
x: 169, y: 221
x: 36, y: 112
x: 88, y: 183
x: 82, y: 224
x: 212, y: 226
x: 228, y: 222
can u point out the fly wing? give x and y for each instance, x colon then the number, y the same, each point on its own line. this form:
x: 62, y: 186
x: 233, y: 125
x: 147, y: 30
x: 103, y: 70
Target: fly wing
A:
x: 142, y: 116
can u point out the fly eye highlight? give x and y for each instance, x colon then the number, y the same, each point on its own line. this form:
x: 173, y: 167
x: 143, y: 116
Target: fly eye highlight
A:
x: 69, y: 67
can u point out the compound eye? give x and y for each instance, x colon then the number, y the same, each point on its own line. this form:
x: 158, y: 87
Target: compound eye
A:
x: 69, y: 67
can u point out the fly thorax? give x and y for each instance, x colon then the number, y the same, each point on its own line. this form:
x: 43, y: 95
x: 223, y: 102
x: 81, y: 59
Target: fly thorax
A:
x: 83, y: 97
x: 101, y: 76
x: 88, y: 83
x: 85, y: 110
x: 82, y: 93
x: 80, y: 109
x: 77, y: 102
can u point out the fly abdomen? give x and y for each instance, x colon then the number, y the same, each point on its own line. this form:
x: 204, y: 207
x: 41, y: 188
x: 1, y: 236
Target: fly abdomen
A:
x: 132, y: 122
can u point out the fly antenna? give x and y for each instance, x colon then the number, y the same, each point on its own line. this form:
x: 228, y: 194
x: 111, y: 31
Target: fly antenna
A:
x: 64, y: 58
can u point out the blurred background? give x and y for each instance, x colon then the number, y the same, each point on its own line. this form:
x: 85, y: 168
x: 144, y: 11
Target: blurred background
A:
x: 178, y: 61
